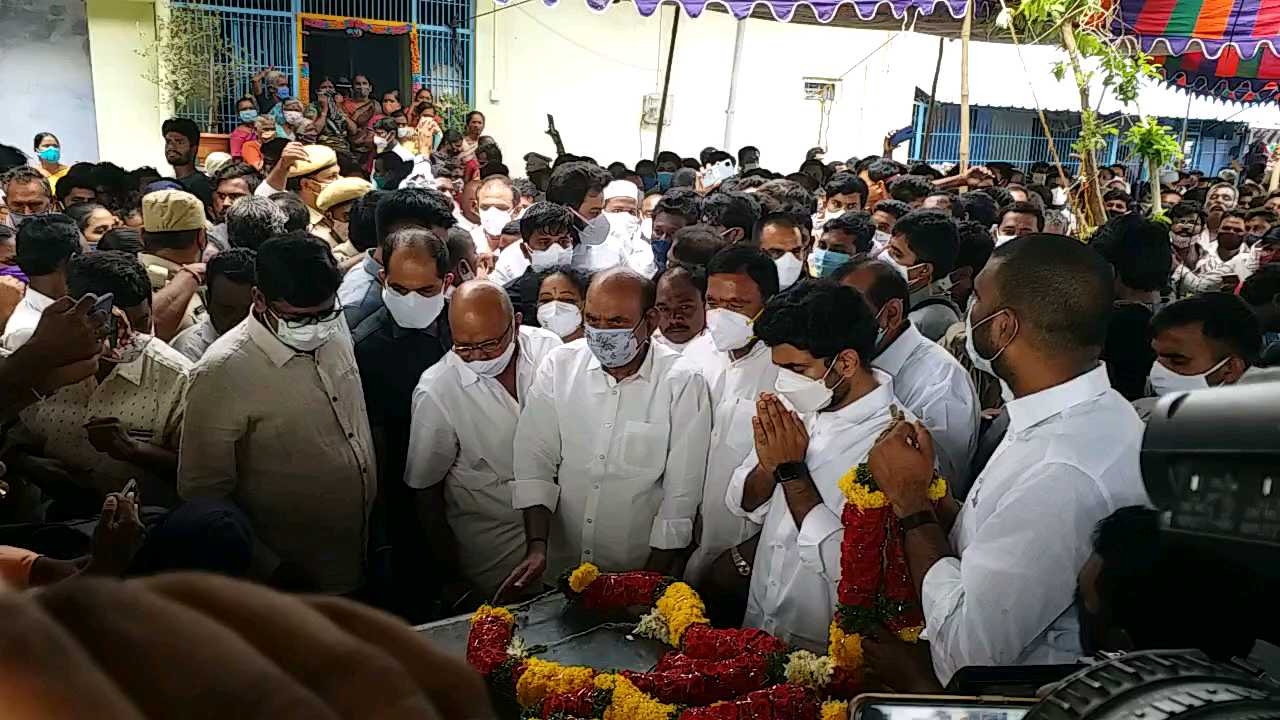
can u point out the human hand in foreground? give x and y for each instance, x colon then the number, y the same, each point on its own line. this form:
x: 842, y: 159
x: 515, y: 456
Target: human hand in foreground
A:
x: 780, y: 435
x: 527, y: 574
x: 202, y: 646
x: 901, y: 666
x: 902, y: 464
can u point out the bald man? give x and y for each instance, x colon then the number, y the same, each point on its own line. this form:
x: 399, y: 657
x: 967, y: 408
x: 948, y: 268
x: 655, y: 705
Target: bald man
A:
x: 613, y: 440
x: 460, y: 460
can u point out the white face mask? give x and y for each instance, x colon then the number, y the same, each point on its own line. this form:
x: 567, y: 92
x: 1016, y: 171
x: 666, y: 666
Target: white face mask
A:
x: 293, y: 117
x: 1165, y: 381
x: 308, y: 338
x: 729, y: 330
x: 493, y: 220
x: 341, y: 229
x: 493, y: 368
x: 983, y: 364
x: 1002, y: 239
x: 805, y: 394
x: 1182, y: 242
x: 560, y: 317
x: 412, y: 310
x: 404, y: 132
x: 646, y: 229
x: 596, y: 230
x: 379, y: 143
x: 881, y: 239
x: 622, y: 225
x: 554, y: 256
x: 789, y: 267
x: 901, y: 269
x: 1058, y: 197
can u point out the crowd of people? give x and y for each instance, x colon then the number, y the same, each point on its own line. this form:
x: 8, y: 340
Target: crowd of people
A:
x: 357, y: 357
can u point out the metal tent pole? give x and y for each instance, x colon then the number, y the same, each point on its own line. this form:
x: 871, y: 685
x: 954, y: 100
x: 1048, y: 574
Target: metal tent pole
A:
x: 733, y: 84
x: 666, y: 84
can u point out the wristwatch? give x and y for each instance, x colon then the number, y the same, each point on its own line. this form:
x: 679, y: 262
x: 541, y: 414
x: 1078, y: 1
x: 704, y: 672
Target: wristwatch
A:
x: 788, y: 471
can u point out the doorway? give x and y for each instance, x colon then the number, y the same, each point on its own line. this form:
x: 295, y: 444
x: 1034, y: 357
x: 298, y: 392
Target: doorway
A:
x: 384, y: 59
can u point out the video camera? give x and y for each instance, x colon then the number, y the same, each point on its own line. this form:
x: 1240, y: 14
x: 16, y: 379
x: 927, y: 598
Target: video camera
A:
x: 1211, y: 465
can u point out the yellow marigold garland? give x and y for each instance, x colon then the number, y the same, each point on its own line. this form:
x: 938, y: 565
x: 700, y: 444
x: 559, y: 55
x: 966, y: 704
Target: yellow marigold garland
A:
x: 681, y: 607
x: 582, y: 576
x: 835, y: 710
x: 858, y: 493
x: 910, y: 634
x: 937, y: 489
x: 491, y: 611
x: 542, y: 678
x: 629, y: 703
x: 844, y: 648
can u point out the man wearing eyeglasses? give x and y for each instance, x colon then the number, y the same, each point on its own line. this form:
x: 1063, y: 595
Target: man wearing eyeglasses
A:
x: 278, y: 424
x: 461, y: 457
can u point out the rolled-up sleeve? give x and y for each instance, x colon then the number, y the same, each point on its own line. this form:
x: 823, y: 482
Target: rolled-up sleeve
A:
x: 738, y: 484
x: 1016, y: 576
x: 686, y: 465
x: 211, y: 427
x: 433, y: 443
x: 814, y: 541
x: 537, y: 445
x: 951, y: 414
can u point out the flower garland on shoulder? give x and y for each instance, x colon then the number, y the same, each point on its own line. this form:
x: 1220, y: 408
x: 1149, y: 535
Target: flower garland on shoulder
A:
x: 718, y: 674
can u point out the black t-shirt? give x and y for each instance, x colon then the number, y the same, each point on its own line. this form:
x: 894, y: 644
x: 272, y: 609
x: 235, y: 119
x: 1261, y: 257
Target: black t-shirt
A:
x: 1128, y: 352
x: 197, y: 184
x: 523, y: 292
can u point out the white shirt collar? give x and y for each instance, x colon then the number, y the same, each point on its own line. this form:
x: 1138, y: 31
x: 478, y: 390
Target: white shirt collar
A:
x: 468, y: 377
x: 1033, y: 409
x: 646, y: 367
x: 37, y: 300
x: 867, y: 406
x: 895, y: 356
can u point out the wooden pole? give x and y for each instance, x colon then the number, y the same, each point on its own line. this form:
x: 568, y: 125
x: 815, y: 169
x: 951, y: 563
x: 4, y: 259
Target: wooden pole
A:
x: 965, y: 30
x: 1095, y: 212
x: 1275, y: 175
x: 666, y: 84
x: 933, y: 101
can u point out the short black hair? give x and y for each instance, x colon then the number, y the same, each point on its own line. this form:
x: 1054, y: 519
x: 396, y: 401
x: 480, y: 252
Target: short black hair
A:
x: 694, y: 245
x: 505, y: 182
x: 418, y: 238
x: 822, y: 318
x: 1223, y: 318
x: 572, y: 182
x: 1116, y: 194
x: 297, y: 267
x: 783, y: 219
x: 474, y: 113
x: 183, y: 126
x: 546, y: 217
x: 846, y: 183
x: 237, y: 265
x: 45, y: 243
x: 1023, y: 207
x: 1237, y: 213
x: 881, y: 169
x: 789, y: 196
x: 126, y: 239
x: 682, y: 202
x: 79, y: 176
x: 415, y: 207
x: 1263, y: 286
x: 110, y: 271
x: 980, y: 207
x: 80, y: 213
x: 526, y: 188
x: 856, y: 225
x: 933, y: 237
x: 910, y: 188
x: 684, y: 177
x: 695, y: 276
x: 1061, y: 291
x: 976, y: 245
x: 886, y: 283
x: 386, y: 124
x: 747, y: 153
x: 1001, y: 195
x: 751, y: 261
x: 253, y: 220
x: 896, y: 208
x: 731, y: 209
x: 1139, y: 250
x: 1186, y: 210
x: 362, y: 223
x: 460, y: 246
x: 1265, y: 214
x: 236, y: 171
x: 11, y: 157
x: 297, y: 219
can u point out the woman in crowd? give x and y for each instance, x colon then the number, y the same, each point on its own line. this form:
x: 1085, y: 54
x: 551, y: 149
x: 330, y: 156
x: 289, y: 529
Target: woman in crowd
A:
x: 264, y: 127
x: 471, y: 139
x: 361, y: 109
x: 247, y: 114
x: 94, y: 221
x: 424, y: 106
x: 562, y: 293
x: 49, y: 152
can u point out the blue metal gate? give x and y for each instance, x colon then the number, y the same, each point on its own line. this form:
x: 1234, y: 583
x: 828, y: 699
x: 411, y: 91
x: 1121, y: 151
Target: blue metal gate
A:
x: 264, y: 33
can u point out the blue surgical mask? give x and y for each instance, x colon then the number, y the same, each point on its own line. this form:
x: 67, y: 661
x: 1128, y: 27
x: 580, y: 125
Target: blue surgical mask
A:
x: 248, y: 116
x: 613, y: 347
x: 650, y: 182
x: 664, y: 180
x: 660, y: 248
x: 51, y: 154
x: 282, y: 92
x: 826, y: 261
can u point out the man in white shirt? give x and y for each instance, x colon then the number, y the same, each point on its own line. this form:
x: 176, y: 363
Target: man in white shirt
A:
x: 45, y: 243
x: 613, y: 442
x: 933, y: 385
x: 495, y: 201
x: 465, y: 410
x: 1227, y: 254
x: 998, y: 588
x: 623, y: 246
x: 740, y: 281
x: 790, y: 481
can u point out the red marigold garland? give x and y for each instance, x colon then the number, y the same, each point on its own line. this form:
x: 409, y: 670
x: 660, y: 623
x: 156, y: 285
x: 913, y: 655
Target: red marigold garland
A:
x: 780, y: 702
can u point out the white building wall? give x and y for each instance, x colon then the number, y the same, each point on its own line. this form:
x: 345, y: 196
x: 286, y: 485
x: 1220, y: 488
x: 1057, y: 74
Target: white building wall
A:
x: 591, y: 71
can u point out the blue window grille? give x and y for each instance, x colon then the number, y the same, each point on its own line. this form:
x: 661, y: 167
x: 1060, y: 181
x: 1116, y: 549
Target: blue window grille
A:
x: 264, y: 34
x: 1016, y: 136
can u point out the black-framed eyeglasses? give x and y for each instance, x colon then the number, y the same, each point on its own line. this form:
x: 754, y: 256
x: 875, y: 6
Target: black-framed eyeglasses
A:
x: 488, y: 347
x: 307, y: 320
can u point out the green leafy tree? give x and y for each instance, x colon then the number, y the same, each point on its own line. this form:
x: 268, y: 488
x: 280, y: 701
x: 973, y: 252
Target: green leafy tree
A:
x: 192, y: 64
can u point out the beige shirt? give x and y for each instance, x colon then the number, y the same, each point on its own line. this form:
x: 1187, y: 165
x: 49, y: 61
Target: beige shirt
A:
x: 148, y: 395
x: 285, y: 435
x: 160, y: 271
x: 320, y: 228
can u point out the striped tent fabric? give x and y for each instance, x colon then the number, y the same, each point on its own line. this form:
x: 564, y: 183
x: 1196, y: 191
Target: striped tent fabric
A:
x: 824, y: 11
x: 1228, y: 77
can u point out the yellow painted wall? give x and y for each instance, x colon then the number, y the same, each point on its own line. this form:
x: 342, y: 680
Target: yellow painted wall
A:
x: 128, y: 111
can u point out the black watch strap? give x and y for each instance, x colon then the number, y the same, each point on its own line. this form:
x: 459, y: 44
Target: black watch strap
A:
x: 920, y: 519
x: 787, y: 472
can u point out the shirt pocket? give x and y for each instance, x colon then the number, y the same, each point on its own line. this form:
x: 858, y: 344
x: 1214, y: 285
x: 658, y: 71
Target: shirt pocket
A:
x: 644, y: 445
